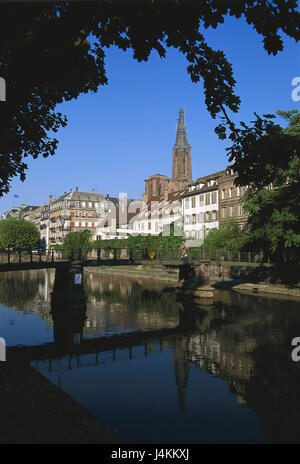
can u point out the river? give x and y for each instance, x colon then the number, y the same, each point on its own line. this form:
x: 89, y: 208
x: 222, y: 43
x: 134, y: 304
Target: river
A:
x: 158, y: 369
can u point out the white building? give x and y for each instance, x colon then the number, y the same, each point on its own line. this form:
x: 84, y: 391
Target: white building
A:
x: 115, y: 224
x: 158, y: 214
x: 200, y: 207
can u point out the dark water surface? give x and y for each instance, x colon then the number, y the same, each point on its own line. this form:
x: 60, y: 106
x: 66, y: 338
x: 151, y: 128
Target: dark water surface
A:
x: 159, y: 370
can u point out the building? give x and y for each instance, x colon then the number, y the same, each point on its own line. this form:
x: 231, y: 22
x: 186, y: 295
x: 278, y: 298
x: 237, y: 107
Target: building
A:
x: 230, y: 205
x: 74, y: 212
x: 28, y: 213
x: 116, y: 223
x: 44, y: 225
x: 200, y: 206
x: 158, y: 214
x: 158, y: 184
x: 19, y: 211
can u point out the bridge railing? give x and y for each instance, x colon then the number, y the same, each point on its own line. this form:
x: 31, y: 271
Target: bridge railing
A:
x: 19, y: 256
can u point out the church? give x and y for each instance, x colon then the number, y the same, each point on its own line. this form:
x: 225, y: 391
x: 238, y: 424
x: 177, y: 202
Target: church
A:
x: 158, y: 184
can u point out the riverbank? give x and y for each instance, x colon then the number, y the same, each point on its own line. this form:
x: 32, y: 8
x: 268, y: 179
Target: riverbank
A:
x: 33, y: 410
x: 259, y: 288
x: 160, y: 273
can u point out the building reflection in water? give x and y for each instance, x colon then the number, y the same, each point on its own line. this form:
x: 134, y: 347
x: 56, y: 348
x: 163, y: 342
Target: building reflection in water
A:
x: 242, y: 339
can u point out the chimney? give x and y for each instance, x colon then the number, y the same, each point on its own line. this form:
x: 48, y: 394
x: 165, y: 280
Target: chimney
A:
x: 76, y: 189
x: 50, y: 199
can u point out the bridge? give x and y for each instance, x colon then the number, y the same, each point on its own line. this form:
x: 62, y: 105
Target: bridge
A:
x: 24, y: 259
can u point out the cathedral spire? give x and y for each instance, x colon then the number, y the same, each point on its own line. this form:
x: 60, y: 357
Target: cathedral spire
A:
x: 181, y: 137
x: 182, y: 162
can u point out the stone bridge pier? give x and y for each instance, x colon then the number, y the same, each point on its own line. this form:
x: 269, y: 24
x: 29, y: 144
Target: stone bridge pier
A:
x: 68, y: 290
x: 194, y: 281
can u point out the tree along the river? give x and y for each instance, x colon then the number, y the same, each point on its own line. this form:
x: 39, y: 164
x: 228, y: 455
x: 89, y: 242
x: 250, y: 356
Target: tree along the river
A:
x: 266, y: 158
x: 18, y: 233
x: 228, y: 238
x: 55, y: 52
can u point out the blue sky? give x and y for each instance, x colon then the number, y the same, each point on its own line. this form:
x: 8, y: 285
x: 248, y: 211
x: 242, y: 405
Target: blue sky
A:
x: 123, y: 134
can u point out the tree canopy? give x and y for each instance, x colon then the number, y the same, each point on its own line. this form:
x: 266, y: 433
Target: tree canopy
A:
x: 228, y: 238
x: 77, y: 240
x: 57, y: 52
x: 267, y: 160
x: 18, y: 233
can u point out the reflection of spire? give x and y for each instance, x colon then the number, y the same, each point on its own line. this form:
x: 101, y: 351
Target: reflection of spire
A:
x: 181, y: 370
x: 181, y: 137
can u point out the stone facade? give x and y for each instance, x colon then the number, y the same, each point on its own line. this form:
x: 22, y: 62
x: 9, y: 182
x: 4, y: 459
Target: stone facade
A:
x: 182, y: 161
x: 75, y: 212
x: 159, y: 184
x: 230, y: 205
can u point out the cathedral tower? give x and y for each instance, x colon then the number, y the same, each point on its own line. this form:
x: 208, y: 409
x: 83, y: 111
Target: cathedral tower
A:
x: 182, y: 162
x: 158, y: 184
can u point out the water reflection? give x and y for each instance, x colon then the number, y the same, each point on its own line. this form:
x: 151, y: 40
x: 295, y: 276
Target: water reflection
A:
x: 140, y: 328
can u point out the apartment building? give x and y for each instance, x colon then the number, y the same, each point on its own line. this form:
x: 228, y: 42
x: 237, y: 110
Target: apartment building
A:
x: 74, y: 212
x: 200, y: 206
x: 230, y: 204
x: 116, y: 224
x: 44, y: 225
x: 158, y: 214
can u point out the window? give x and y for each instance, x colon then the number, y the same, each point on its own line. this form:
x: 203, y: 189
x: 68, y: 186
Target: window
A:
x: 83, y: 224
x: 193, y: 218
x: 89, y: 224
x: 224, y: 212
x: 201, y: 200
x: 231, y: 192
x: 76, y: 213
x: 223, y: 194
x: 187, y: 219
x: 149, y: 225
x: 90, y: 204
x: 83, y: 204
x: 187, y: 203
x: 76, y: 224
x: 156, y: 226
x: 231, y: 211
x: 142, y: 226
x: 207, y: 216
x: 96, y: 205
x: 214, y: 197
x: 76, y: 204
x: 240, y: 210
x: 89, y: 214
x: 201, y: 217
x: 207, y: 199
x: 239, y: 192
x: 193, y: 202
